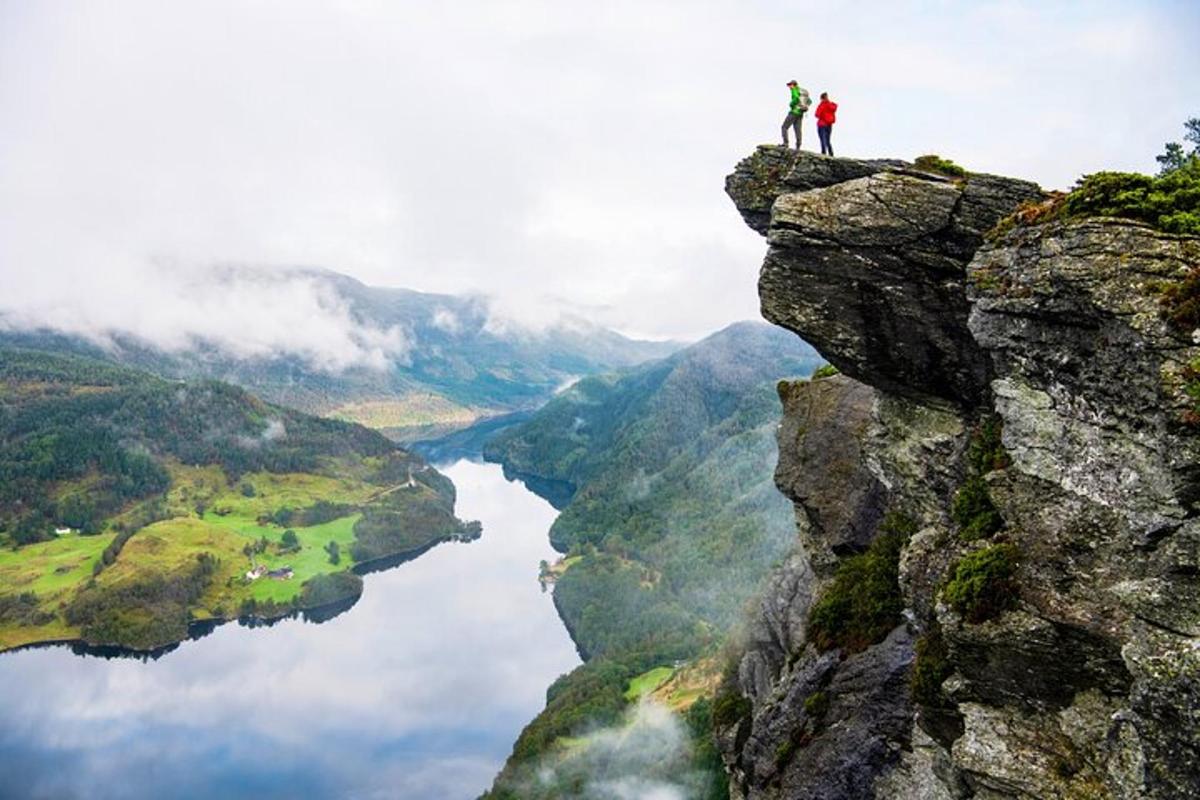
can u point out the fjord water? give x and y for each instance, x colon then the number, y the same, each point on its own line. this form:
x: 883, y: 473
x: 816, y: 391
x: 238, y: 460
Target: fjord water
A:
x: 418, y: 691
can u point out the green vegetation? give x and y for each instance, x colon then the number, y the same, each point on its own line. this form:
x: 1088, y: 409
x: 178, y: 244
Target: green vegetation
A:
x: 672, y: 524
x: 972, y: 508
x: 174, y: 491
x: 22, y: 609
x: 1176, y: 156
x: 942, y: 166
x: 647, y: 682
x: 1191, y: 387
x: 816, y: 705
x: 862, y: 603
x: 825, y: 371
x: 930, y: 669
x: 729, y: 707
x: 1169, y: 202
x: 149, y: 611
x: 983, y: 585
x: 322, y: 590
x: 705, y: 757
x: 1180, y: 302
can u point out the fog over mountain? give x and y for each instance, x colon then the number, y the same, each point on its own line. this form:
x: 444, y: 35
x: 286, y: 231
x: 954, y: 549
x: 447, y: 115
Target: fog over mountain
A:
x: 405, y: 361
x: 560, y: 157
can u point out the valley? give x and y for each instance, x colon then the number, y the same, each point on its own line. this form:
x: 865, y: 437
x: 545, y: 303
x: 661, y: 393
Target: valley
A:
x: 133, y: 507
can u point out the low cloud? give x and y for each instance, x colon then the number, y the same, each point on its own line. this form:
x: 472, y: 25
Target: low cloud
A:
x: 250, y: 313
x: 646, y: 757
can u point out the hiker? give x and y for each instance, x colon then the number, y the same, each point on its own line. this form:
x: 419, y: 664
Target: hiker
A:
x: 826, y: 116
x: 796, y: 107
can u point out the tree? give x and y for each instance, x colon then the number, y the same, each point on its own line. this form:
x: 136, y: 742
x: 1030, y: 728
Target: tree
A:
x: 289, y: 540
x: 1175, y: 155
x: 335, y: 556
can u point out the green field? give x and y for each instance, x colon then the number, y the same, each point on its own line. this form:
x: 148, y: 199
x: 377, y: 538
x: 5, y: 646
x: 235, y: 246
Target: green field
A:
x: 647, y: 682
x: 56, y: 570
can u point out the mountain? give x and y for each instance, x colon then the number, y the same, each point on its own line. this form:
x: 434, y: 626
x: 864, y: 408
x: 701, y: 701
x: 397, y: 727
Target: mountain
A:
x: 993, y: 592
x: 131, y: 505
x: 671, y: 522
x: 449, y: 360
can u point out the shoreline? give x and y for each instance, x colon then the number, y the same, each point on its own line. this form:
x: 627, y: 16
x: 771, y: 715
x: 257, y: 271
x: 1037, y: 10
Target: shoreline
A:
x: 199, y: 628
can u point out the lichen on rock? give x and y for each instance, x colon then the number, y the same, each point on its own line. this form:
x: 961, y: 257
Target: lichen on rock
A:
x: 1082, y: 679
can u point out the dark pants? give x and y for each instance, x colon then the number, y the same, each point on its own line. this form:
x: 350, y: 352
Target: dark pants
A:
x: 792, y: 121
x: 823, y: 132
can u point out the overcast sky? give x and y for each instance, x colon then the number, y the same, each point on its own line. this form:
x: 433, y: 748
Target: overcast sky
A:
x: 560, y: 156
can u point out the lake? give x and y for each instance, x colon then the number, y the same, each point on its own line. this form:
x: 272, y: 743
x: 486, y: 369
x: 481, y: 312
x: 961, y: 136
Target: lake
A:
x: 418, y: 691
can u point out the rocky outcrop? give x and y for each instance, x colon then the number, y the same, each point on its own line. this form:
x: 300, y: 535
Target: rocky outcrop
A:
x: 867, y: 260
x: 1072, y: 668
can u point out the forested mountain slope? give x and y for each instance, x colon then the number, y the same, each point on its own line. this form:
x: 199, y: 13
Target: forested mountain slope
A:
x: 130, y: 504
x: 673, y: 521
x: 447, y: 360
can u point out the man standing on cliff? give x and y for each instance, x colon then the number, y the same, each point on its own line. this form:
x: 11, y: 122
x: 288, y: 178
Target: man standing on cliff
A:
x: 796, y: 107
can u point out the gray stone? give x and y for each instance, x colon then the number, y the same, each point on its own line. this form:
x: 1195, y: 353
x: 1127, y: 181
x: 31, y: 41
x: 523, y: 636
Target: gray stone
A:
x: 1089, y: 686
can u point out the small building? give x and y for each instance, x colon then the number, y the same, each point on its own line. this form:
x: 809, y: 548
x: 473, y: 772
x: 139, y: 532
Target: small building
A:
x: 256, y: 573
x: 63, y: 531
x: 281, y: 574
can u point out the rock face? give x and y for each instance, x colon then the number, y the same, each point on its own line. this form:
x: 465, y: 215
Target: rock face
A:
x: 1074, y: 672
x: 866, y: 262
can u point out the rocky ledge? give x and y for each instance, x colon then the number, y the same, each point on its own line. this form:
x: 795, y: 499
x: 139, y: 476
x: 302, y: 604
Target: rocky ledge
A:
x: 996, y: 588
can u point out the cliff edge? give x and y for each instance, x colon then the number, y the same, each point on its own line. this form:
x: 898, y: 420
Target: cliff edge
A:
x: 996, y: 590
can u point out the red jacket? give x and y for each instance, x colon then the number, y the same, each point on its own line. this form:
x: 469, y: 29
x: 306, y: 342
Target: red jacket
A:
x: 826, y: 113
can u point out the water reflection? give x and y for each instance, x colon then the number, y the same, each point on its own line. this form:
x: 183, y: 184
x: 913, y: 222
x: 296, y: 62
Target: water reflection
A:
x: 418, y: 691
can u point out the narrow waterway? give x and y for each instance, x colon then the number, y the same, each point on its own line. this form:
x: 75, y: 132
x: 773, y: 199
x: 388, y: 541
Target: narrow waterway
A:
x: 418, y: 691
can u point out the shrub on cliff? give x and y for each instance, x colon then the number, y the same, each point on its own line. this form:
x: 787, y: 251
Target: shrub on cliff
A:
x: 983, y: 585
x: 972, y: 507
x: 931, y: 668
x: 942, y: 166
x: 1169, y: 202
x: 863, y: 602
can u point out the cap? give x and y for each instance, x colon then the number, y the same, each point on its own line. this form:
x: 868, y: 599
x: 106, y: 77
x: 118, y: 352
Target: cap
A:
x: 792, y: 83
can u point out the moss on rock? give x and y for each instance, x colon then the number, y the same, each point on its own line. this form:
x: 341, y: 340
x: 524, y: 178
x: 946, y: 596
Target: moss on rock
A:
x: 983, y: 585
x: 863, y: 602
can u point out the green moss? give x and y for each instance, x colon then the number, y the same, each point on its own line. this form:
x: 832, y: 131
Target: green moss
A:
x: 942, y: 166
x: 1180, y: 302
x: 785, y: 751
x: 898, y: 523
x: 1191, y: 387
x: 930, y: 669
x: 983, y: 585
x: 816, y: 706
x: 972, y: 508
x: 730, y: 707
x: 863, y: 602
x: 985, y: 451
x: 825, y: 371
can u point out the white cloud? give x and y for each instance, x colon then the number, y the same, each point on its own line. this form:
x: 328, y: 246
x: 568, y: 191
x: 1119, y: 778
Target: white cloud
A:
x: 252, y: 313
x: 560, y: 156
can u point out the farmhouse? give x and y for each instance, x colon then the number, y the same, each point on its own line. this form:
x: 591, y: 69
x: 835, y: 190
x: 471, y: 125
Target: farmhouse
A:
x: 281, y: 574
x: 256, y: 573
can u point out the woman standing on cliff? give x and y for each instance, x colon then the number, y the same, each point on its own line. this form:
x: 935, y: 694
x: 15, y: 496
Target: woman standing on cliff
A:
x: 826, y: 116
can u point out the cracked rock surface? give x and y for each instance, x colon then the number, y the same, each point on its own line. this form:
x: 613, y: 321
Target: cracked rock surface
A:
x: 1087, y: 683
